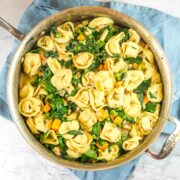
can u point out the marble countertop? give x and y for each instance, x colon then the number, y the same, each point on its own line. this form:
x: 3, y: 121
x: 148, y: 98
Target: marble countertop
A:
x: 19, y: 162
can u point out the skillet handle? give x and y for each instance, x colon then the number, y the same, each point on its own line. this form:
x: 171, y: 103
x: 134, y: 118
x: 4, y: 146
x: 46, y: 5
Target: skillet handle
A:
x: 169, y: 143
x: 12, y: 30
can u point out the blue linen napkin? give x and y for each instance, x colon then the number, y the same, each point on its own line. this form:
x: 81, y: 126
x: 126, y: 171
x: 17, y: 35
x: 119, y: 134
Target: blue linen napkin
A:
x: 164, y: 27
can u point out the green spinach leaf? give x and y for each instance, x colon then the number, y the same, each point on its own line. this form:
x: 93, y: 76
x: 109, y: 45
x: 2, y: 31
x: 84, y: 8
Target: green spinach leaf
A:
x: 75, y: 132
x: 131, y: 60
x: 151, y: 107
x: 143, y: 86
x: 91, y: 154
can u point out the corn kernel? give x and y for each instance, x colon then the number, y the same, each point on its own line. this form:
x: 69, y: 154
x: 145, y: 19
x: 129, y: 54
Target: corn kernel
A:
x: 81, y: 37
x: 56, y: 124
x: 118, y: 120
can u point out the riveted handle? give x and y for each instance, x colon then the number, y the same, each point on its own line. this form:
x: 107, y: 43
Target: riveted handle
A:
x: 12, y: 30
x: 169, y: 143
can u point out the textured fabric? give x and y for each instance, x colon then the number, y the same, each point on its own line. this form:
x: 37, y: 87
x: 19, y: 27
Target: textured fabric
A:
x: 164, y: 27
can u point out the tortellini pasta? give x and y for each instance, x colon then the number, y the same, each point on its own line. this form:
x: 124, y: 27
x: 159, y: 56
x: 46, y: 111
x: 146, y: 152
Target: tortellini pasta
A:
x: 31, y: 63
x: 116, y: 66
x: 31, y: 125
x: 87, y: 119
x: 131, y: 143
x: 83, y: 60
x: 109, y: 154
x: 115, y: 98
x: 134, y: 36
x: 62, y: 52
x: 104, y: 35
x: 100, y: 23
x: 148, y: 55
x: 112, y: 46
x: 26, y: 91
x: 46, y: 43
x: 154, y: 93
x: 65, y: 127
x: 130, y: 49
x: 156, y: 78
x: 78, y: 145
x: 30, y: 106
x: 133, y: 79
x: 82, y: 98
x: 64, y: 33
x: 110, y: 132
x: 50, y: 137
x: 88, y: 79
x: 62, y: 78
x: 53, y: 64
x: 97, y: 99
x: 104, y: 80
x: 90, y: 90
x: 40, y: 122
x: 132, y: 106
x: 148, y: 69
x: 40, y: 91
x: 147, y: 122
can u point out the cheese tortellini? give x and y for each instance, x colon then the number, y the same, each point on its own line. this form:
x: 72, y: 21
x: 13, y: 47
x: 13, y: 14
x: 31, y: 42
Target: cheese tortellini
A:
x: 97, y: 99
x: 147, y: 122
x: 82, y: 98
x: 31, y: 64
x: 132, y: 106
x: 87, y: 119
x: 115, y: 98
x: 83, y: 60
x: 154, y: 93
x: 116, y: 66
x: 110, y: 132
x: 88, y: 79
x: 46, y: 43
x: 26, y: 91
x: 53, y: 64
x: 130, y: 49
x: 109, y: 155
x: 133, y: 79
x: 112, y: 46
x: 64, y: 33
x: 104, y: 80
x: 65, y: 127
x: 131, y: 143
x: 100, y: 23
x: 78, y: 145
x: 62, y: 78
x: 30, y: 106
x: 91, y: 90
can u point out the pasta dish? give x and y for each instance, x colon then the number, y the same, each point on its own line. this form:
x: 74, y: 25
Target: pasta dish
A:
x: 90, y: 91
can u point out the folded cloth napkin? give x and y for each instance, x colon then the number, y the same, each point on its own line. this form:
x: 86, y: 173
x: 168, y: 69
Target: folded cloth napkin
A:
x: 164, y: 27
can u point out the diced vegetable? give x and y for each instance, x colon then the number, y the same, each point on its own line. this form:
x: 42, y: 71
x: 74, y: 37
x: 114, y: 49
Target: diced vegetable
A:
x: 47, y: 107
x: 56, y: 124
x: 102, y: 147
x: 118, y: 120
x: 81, y: 37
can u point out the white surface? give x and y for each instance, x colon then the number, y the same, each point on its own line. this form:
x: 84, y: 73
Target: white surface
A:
x: 19, y: 162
